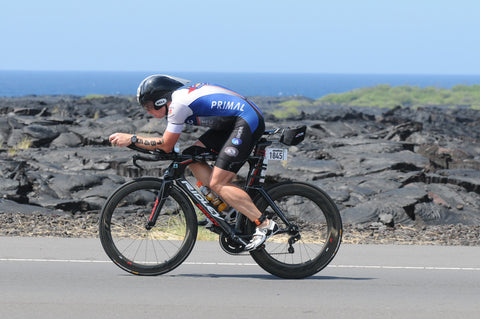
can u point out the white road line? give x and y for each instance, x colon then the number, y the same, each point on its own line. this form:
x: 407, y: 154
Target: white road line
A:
x: 246, y: 264
x: 405, y: 267
x: 55, y: 260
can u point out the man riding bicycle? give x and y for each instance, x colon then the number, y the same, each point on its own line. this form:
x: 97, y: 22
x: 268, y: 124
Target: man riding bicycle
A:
x: 235, y: 125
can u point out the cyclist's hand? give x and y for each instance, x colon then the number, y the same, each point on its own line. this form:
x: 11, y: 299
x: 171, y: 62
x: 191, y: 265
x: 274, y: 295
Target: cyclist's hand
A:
x: 120, y: 139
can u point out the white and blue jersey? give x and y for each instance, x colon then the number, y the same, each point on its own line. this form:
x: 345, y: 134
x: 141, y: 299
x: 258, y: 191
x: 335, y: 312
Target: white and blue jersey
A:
x: 210, y: 105
x: 235, y: 123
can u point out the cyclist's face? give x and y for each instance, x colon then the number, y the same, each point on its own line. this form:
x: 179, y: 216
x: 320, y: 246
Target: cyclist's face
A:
x: 157, y: 113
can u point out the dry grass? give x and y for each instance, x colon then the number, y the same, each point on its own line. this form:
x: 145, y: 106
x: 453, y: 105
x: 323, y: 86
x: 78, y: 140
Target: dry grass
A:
x: 86, y: 226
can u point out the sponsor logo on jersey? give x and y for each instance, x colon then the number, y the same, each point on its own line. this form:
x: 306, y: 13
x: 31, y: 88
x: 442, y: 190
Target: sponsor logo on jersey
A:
x: 205, y: 122
x: 227, y: 105
x: 240, y: 132
x: 236, y: 141
x: 231, y: 151
x: 194, y: 87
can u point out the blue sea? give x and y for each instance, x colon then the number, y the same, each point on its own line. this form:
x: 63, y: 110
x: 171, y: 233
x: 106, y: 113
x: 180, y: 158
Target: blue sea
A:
x: 81, y: 83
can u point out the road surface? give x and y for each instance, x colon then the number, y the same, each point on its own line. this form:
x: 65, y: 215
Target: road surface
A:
x: 73, y: 278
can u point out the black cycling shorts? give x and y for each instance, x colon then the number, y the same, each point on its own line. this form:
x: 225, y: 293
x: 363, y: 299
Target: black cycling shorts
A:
x: 234, y: 144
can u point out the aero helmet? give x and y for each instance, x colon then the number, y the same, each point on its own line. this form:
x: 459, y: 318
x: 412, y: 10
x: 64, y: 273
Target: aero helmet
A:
x: 158, y: 88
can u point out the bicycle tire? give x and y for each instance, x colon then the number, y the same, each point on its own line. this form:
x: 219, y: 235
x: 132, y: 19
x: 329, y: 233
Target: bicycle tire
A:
x: 320, y: 228
x: 129, y: 244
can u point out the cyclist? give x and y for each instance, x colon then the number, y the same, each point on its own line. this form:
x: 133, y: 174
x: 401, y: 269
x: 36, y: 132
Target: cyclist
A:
x: 235, y: 125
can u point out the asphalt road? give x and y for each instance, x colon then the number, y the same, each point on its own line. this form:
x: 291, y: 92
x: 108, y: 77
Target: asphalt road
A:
x: 72, y: 278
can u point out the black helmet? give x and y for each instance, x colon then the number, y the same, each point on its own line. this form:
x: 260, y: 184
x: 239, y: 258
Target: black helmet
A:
x: 158, y: 89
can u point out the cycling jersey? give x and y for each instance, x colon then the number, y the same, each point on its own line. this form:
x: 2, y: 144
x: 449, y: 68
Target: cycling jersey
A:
x: 235, y: 123
x: 209, y: 105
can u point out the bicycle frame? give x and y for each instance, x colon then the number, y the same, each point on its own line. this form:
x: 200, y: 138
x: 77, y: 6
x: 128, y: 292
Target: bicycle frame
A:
x: 175, y: 174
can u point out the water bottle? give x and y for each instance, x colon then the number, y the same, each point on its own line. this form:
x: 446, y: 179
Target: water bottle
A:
x: 212, y: 197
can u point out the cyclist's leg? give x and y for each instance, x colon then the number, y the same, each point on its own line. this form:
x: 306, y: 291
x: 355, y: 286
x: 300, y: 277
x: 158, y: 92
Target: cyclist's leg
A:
x: 233, y: 195
x: 211, y: 140
x: 241, y: 201
x: 234, y: 147
x: 233, y: 154
x: 220, y: 182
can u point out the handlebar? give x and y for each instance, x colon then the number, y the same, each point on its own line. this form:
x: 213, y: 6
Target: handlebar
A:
x: 159, y: 155
x: 156, y: 153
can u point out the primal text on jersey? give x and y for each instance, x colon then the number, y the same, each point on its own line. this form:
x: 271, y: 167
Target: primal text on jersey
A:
x: 227, y: 105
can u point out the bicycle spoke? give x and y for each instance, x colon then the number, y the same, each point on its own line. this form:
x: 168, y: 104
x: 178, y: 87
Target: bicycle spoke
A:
x: 148, y: 250
x: 313, y: 237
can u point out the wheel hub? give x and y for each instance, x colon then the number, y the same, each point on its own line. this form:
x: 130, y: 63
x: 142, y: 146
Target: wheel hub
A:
x: 294, y: 231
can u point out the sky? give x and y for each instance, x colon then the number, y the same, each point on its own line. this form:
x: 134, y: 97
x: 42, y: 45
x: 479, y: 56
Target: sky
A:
x: 310, y: 36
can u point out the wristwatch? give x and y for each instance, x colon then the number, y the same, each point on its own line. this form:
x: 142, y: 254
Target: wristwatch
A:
x: 134, y: 139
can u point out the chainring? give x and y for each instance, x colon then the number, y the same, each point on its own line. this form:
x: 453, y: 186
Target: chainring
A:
x: 230, y: 246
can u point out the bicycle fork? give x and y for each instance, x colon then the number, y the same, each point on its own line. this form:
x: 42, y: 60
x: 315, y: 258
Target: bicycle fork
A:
x: 159, y: 201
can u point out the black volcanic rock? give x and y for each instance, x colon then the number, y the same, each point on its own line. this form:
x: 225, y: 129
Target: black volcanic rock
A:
x: 394, y: 167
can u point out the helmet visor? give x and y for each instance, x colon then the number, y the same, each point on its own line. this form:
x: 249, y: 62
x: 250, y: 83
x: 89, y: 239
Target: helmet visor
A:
x: 147, y: 105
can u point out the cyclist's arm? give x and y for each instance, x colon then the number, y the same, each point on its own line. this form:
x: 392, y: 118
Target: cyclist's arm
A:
x: 165, y: 143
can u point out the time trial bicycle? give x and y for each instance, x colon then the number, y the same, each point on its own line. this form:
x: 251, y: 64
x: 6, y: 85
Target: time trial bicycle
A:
x: 148, y: 226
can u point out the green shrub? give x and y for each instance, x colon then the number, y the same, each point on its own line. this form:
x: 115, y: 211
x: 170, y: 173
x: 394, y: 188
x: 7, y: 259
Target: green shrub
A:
x: 412, y: 96
x: 93, y: 96
x: 286, y: 112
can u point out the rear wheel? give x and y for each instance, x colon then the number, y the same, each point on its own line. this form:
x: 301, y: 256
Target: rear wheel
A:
x: 139, y: 249
x: 313, y: 237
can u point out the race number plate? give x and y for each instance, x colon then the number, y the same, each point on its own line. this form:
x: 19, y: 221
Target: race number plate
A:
x: 276, y: 154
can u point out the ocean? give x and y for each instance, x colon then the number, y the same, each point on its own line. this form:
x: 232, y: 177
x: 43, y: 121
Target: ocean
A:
x: 81, y: 83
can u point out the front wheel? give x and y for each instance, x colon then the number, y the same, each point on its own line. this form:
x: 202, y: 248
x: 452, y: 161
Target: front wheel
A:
x: 313, y: 237
x: 143, y: 250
